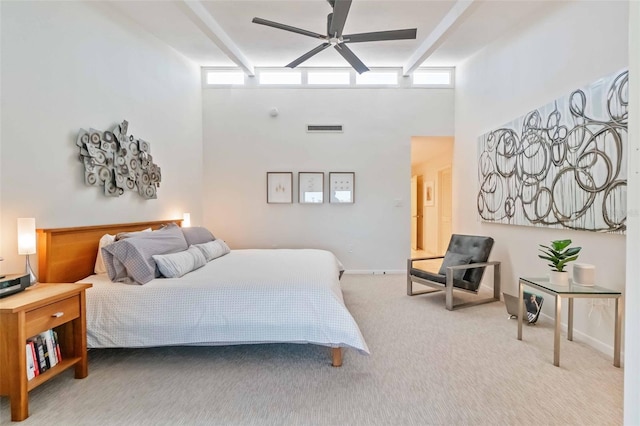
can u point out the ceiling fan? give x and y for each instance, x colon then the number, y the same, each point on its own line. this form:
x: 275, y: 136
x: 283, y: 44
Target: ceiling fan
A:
x: 335, y: 38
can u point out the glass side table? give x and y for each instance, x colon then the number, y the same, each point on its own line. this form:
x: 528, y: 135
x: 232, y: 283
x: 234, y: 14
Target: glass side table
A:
x: 570, y: 292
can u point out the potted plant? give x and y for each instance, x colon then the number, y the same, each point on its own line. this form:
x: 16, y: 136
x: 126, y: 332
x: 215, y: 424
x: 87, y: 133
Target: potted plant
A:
x: 559, y: 254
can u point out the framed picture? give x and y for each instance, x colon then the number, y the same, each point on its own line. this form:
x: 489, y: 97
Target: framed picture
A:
x: 342, y: 187
x: 310, y: 188
x: 429, y: 194
x: 279, y: 187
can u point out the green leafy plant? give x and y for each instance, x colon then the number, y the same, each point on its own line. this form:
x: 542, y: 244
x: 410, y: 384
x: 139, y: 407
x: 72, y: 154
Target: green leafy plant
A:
x: 559, y: 254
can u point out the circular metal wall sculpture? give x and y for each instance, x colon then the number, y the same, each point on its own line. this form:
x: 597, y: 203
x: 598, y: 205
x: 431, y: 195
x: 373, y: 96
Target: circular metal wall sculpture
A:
x: 117, y: 162
x: 562, y: 165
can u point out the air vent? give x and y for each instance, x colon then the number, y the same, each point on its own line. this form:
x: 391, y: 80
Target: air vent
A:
x: 324, y: 128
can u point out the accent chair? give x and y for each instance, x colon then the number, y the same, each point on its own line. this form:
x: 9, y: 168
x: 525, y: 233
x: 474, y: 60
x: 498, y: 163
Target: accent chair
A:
x: 462, y: 269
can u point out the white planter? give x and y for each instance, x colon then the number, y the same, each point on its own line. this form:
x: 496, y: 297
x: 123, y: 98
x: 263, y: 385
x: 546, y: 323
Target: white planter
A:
x: 559, y: 278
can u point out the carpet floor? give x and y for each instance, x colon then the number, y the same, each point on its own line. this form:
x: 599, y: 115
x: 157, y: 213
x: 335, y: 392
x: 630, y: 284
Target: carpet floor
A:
x: 428, y: 366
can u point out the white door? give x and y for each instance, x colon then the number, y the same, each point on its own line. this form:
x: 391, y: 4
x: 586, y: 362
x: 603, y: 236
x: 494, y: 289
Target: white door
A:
x: 445, y: 207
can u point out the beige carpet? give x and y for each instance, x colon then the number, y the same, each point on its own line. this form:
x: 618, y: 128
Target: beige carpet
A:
x: 427, y: 366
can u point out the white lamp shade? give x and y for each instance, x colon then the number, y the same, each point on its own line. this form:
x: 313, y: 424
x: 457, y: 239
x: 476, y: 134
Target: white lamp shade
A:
x: 186, y: 220
x: 26, y: 235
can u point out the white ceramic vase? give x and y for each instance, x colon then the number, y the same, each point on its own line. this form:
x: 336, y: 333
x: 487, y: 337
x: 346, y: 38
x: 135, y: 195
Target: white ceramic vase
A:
x: 559, y: 278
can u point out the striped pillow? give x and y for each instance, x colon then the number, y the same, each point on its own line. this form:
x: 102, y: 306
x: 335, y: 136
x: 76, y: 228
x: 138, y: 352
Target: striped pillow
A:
x: 175, y: 265
x: 213, y: 249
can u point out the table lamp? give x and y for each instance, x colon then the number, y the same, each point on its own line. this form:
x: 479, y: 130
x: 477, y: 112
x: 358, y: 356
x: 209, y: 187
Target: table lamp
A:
x: 186, y: 220
x: 27, y: 242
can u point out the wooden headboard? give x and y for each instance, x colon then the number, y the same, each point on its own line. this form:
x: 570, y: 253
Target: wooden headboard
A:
x: 66, y: 255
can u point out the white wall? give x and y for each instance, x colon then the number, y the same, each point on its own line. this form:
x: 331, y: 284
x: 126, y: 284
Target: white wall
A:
x: 2, y: 268
x: 72, y: 65
x: 632, y: 290
x: 242, y: 142
x: 567, y: 49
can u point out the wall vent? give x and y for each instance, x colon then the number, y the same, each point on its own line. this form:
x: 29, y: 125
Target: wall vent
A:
x: 324, y: 128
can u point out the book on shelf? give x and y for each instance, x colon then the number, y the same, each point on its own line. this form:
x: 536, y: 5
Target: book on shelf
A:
x: 50, y: 351
x: 35, y: 357
x: 31, y: 367
x: 40, y: 353
x: 43, y: 352
x: 57, y: 345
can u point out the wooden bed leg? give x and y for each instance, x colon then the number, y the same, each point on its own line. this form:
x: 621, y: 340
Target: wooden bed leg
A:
x: 336, y: 357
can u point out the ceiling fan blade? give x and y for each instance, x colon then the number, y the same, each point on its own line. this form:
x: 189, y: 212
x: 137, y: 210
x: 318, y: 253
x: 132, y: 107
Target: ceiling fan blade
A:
x: 340, y: 12
x: 287, y: 28
x: 307, y: 55
x: 381, y: 35
x: 351, y: 58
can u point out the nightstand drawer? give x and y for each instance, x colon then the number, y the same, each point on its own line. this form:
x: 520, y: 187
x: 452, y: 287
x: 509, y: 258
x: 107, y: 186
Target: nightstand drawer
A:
x: 52, y: 315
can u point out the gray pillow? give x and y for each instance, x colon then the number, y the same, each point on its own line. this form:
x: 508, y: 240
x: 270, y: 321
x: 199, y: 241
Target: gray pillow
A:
x: 175, y: 265
x: 131, y: 258
x: 213, y: 249
x: 197, y: 235
x: 454, y: 259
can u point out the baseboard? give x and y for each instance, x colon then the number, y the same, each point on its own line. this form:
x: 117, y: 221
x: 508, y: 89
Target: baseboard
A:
x: 375, y: 271
x: 578, y: 335
x: 585, y: 338
x: 486, y: 288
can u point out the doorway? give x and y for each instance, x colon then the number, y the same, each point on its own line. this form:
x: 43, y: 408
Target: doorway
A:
x: 431, y: 199
x: 444, y: 208
x: 417, y: 225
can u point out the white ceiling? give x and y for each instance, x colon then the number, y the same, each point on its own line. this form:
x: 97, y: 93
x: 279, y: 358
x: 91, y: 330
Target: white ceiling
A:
x: 264, y: 46
x: 427, y: 148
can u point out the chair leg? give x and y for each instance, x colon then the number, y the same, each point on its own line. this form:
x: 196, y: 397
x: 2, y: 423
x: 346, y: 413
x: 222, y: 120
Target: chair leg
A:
x: 449, y: 292
x: 409, y: 282
x: 448, y: 289
x: 496, y: 281
x: 411, y: 292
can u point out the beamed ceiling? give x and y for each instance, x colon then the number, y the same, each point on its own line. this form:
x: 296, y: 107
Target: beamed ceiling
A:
x: 220, y: 33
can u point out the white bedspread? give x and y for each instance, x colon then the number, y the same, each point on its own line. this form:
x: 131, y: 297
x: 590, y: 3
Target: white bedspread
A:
x: 247, y: 296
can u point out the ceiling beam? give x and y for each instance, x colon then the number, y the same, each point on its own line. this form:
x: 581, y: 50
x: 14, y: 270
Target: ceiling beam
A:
x: 451, y: 21
x: 200, y: 16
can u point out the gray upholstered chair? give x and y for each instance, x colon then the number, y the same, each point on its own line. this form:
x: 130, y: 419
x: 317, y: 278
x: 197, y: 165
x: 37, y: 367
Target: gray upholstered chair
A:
x: 462, y: 269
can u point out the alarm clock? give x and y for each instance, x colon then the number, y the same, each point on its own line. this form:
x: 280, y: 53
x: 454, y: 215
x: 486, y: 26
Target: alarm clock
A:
x: 14, y: 283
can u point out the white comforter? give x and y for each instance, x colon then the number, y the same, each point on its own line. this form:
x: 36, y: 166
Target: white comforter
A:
x: 247, y: 296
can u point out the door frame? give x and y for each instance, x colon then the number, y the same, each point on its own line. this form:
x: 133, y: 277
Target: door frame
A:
x: 438, y: 197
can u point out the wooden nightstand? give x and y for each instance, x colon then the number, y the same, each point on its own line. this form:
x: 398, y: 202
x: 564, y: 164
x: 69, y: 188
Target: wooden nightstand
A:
x: 23, y: 315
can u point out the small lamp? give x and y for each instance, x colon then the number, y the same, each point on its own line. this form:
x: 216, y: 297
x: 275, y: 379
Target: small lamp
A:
x: 27, y: 242
x: 186, y: 220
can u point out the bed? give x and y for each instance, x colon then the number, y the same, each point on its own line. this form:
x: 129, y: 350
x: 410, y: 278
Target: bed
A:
x: 244, y: 297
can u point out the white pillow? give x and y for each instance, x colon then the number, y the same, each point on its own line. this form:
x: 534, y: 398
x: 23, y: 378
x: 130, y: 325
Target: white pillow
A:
x: 99, y: 267
x: 213, y: 249
x: 175, y: 265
